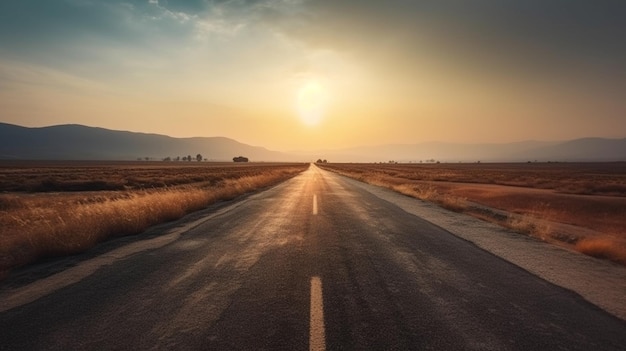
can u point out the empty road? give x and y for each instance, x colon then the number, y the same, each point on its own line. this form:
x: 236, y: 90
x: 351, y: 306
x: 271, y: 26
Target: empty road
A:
x: 313, y: 263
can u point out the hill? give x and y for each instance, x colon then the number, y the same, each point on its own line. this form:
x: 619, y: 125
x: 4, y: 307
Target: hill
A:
x: 77, y: 142
x: 583, y: 150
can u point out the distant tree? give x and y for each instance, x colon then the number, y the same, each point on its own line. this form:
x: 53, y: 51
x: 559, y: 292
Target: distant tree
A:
x: 240, y: 159
x: 177, y: 158
x: 198, y: 157
x: 189, y: 158
x: 324, y: 161
x: 167, y: 159
x: 147, y: 158
x: 319, y: 160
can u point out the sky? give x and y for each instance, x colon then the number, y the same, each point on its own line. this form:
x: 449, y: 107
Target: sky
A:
x: 319, y: 74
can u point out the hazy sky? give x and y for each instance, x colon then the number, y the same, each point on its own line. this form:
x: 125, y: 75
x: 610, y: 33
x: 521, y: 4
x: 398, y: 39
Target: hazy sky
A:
x: 307, y: 74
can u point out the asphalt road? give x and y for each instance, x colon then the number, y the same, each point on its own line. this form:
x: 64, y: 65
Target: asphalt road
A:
x: 314, y: 263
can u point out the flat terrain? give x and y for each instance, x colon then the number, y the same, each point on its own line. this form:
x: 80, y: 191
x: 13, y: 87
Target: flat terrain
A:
x: 578, y: 205
x: 77, y: 176
x: 320, y: 262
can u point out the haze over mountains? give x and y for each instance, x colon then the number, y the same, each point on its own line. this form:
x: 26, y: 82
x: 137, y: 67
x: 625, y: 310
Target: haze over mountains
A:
x: 77, y: 142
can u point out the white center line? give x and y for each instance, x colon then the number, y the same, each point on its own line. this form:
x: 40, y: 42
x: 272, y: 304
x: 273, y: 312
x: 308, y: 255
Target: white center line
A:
x: 315, y: 204
x: 317, y: 334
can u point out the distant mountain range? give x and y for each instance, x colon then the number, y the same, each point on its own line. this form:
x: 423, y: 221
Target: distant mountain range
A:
x: 77, y: 142
x: 586, y: 149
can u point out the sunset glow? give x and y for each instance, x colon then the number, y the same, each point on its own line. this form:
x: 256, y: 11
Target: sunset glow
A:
x: 309, y: 75
x: 311, y: 103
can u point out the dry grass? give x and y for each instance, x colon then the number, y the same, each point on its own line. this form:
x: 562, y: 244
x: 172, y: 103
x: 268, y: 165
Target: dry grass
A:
x: 573, y: 205
x: 526, y: 224
x: 33, y: 226
x: 608, y: 247
x: 423, y: 191
x: 430, y: 193
x: 79, y: 176
x: 569, y: 178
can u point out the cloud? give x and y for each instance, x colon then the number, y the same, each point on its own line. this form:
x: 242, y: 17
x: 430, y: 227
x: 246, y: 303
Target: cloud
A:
x: 79, y: 30
x: 444, y: 51
x: 73, y: 30
x: 530, y: 35
x: 514, y: 35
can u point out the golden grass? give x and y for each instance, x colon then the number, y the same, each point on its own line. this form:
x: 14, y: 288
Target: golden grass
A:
x: 608, y: 247
x: 569, y: 178
x: 430, y: 193
x: 422, y: 191
x: 43, y: 225
x: 537, y: 199
x: 527, y: 224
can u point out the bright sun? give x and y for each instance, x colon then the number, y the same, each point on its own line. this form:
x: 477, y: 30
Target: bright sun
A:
x: 311, y: 103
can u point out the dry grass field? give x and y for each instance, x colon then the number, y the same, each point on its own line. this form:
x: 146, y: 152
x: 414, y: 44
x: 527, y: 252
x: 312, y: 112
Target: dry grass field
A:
x: 59, y: 208
x: 578, y: 205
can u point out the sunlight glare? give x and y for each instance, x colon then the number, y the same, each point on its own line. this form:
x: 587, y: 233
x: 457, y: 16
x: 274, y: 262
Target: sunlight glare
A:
x: 311, y: 102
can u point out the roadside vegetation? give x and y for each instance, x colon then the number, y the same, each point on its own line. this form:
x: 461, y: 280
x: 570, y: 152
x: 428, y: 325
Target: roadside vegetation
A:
x: 581, y: 206
x: 51, y: 209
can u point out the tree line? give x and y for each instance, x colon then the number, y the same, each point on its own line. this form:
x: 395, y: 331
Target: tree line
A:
x: 187, y: 158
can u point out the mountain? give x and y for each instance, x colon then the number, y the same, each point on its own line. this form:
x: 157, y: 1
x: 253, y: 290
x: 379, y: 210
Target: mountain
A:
x: 77, y: 142
x: 444, y: 152
x: 587, y: 149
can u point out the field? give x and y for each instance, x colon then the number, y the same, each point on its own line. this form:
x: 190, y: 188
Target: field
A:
x: 581, y: 206
x: 59, y: 208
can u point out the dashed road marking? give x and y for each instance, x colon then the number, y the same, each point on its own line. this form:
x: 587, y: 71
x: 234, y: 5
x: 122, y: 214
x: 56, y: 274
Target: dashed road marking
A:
x: 317, y: 333
x: 314, y: 204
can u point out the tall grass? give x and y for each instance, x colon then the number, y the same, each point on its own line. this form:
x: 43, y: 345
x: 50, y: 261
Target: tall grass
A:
x: 32, y: 228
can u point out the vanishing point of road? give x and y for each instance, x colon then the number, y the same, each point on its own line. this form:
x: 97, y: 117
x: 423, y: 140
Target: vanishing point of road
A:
x: 314, y: 263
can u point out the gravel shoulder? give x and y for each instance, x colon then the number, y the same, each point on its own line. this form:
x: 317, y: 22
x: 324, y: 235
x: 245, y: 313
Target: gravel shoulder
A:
x: 600, y: 282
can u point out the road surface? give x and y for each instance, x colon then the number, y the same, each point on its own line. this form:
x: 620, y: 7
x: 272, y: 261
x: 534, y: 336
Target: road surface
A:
x: 313, y: 263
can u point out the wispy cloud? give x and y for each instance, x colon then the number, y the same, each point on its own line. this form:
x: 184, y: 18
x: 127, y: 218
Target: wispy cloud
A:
x: 397, y: 62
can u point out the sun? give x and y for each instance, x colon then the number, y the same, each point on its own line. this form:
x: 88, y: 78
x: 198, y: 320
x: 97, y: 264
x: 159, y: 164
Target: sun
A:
x: 311, y: 102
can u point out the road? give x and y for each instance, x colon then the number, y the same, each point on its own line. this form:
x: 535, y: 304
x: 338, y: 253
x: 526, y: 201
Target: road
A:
x: 313, y: 263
